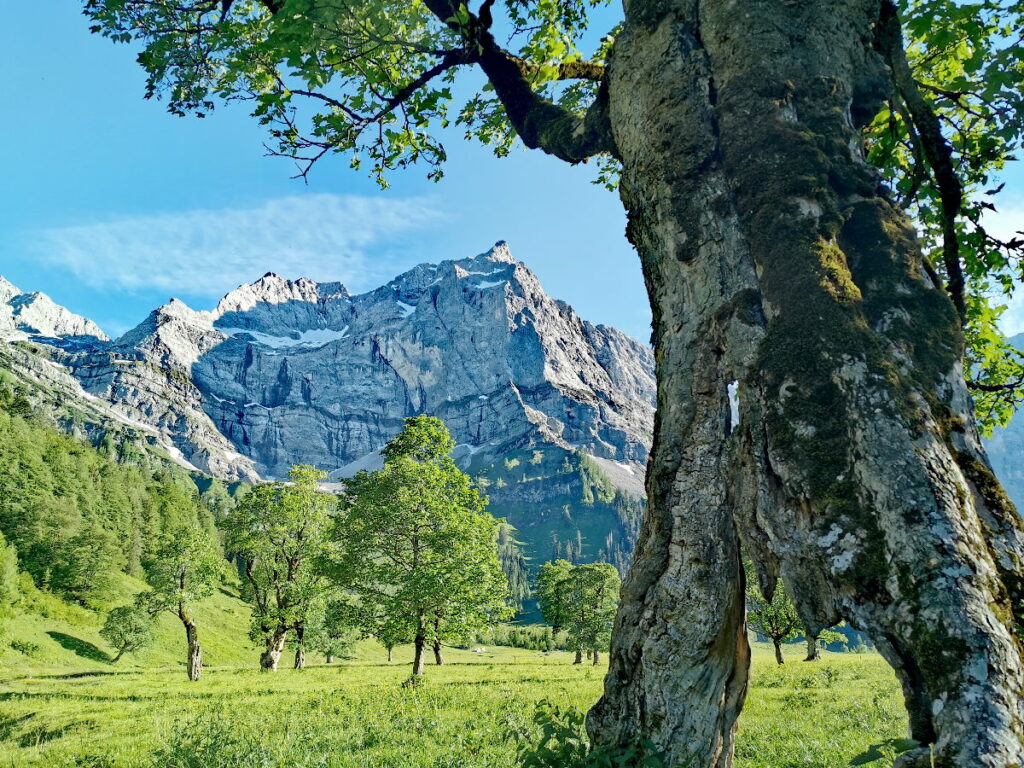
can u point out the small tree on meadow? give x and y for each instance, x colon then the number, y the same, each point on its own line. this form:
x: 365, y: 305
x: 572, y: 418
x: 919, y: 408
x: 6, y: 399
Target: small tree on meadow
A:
x: 581, y: 599
x: 776, y: 619
x: 336, y: 631
x: 279, y: 532
x: 128, y: 629
x: 419, y: 547
x: 184, y: 571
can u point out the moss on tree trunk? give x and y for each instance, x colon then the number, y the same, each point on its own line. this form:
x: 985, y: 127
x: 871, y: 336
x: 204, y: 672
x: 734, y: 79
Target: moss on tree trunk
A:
x: 854, y: 471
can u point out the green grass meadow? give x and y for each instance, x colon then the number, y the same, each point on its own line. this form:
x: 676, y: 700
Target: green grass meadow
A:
x: 835, y: 712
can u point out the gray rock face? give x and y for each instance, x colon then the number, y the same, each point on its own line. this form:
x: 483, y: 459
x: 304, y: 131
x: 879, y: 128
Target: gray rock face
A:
x: 282, y: 371
x: 27, y: 315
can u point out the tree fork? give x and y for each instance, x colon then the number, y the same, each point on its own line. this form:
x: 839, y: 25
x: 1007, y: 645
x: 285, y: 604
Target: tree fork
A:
x: 855, y: 471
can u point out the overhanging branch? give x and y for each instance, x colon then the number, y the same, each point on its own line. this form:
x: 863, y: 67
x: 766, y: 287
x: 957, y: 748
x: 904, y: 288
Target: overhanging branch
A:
x: 932, y: 144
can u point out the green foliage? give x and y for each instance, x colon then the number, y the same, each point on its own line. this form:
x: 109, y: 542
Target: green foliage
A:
x: 564, y: 744
x: 75, y: 516
x: 969, y: 64
x: 418, y: 547
x: 776, y: 619
x: 127, y: 629
x: 10, y: 588
x: 514, y: 565
x: 184, y: 570
x: 279, y: 531
x: 582, y: 600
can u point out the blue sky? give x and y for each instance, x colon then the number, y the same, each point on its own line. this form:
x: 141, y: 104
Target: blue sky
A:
x: 112, y: 206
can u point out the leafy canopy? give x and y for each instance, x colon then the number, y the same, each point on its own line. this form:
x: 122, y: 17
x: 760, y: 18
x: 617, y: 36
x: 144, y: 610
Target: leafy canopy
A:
x: 128, y: 628
x: 419, y: 547
x: 184, y: 570
x: 581, y: 599
x: 279, y: 531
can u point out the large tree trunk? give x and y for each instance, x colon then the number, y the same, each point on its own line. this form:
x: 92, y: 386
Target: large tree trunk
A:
x: 194, y: 663
x: 272, y: 651
x: 579, y: 656
x: 813, y: 651
x: 846, y: 454
x: 597, y: 658
x: 779, y: 659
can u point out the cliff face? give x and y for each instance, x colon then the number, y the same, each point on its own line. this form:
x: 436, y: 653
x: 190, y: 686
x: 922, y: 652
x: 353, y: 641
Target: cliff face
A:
x: 284, y: 372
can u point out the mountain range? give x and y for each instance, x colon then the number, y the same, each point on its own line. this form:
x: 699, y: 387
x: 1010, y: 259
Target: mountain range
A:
x: 551, y: 414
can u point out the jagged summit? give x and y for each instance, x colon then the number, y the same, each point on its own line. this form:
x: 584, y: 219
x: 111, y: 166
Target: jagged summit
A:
x: 287, y: 371
x: 30, y: 315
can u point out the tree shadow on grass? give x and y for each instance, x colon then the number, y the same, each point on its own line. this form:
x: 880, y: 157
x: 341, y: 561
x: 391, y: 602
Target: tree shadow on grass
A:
x: 878, y: 751
x: 83, y: 648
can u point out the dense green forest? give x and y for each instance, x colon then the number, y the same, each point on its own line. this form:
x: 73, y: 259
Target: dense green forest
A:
x: 77, y: 515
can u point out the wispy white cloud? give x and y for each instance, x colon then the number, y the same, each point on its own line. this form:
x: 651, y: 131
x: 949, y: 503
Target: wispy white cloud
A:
x: 208, y: 252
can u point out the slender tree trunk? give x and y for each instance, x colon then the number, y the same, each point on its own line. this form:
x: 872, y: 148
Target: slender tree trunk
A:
x: 596, y: 658
x: 778, y: 651
x: 854, y: 469
x: 272, y: 651
x: 417, y: 660
x: 194, y: 663
x: 813, y: 651
x: 120, y: 653
x: 579, y: 656
x: 391, y: 654
x: 438, y: 658
x: 300, y: 647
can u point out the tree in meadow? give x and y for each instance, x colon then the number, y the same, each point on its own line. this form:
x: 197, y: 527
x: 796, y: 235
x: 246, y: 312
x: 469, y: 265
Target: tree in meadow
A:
x: 805, y: 184
x: 184, y: 571
x: 279, y: 532
x: 775, y: 618
x: 582, y: 600
x: 128, y: 628
x: 419, y: 546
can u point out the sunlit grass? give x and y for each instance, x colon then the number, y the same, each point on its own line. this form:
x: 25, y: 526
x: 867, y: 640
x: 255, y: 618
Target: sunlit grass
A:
x: 821, y: 714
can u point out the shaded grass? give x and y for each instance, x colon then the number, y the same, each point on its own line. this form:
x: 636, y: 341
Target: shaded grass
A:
x: 844, y: 708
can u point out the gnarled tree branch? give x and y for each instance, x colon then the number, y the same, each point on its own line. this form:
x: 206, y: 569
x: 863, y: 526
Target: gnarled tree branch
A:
x: 929, y: 140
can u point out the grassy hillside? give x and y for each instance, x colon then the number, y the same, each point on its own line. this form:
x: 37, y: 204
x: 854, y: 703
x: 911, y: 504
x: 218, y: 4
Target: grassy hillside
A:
x: 845, y: 708
x: 50, y: 634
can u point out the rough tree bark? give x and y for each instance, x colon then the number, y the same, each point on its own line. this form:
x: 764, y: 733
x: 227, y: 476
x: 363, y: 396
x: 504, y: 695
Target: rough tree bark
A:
x: 597, y: 658
x: 272, y: 651
x: 194, y: 663
x: 813, y: 651
x: 854, y: 469
x: 579, y: 656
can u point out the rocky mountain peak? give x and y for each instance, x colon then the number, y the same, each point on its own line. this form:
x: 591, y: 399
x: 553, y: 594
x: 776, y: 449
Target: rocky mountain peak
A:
x: 7, y: 290
x: 269, y: 289
x: 27, y: 315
